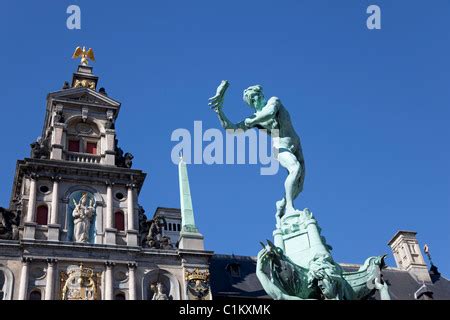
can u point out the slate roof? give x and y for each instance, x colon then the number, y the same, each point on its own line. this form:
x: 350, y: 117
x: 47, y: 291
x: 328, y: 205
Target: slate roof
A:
x: 226, y: 284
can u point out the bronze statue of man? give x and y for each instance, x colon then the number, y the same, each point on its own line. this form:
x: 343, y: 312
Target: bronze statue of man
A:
x: 272, y: 116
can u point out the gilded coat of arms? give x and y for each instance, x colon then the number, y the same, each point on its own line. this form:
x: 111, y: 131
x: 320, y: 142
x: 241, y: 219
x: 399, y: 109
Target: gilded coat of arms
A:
x: 80, y: 283
x: 198, y: 285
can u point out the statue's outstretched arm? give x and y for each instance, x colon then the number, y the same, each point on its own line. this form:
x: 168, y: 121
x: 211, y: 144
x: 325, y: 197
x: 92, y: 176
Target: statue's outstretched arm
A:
x: 227, y: 124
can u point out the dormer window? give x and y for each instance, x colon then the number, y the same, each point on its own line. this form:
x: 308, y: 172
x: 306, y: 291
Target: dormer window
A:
x: 234, y: 269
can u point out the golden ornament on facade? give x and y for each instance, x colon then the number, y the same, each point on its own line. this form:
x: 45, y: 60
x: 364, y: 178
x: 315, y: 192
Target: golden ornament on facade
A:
x: 84, y: 84
x: 197, y: 285
x: 85, y: 55
x: 80, y: 283
x: 197, y: 275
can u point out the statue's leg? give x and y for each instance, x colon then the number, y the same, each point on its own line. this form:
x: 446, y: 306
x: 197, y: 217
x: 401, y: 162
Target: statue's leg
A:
x: 296, y: 189
x: 290, y: 162
x: 298, y: 185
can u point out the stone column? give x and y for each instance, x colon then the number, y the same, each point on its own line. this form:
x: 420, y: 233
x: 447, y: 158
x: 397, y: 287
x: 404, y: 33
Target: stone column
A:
x: 110, y: 232
x: 55, y: 203
x: 130, y: 206
x: 132, y: 281
x: 109, y: 290
x: 50, y: 284
x: 53, y: 227
x: 131, y: 231
x: 23, y: 286
x: 109, y: 206
x: 31, y: 213
x: 99, y: 225
x: 30, y: 221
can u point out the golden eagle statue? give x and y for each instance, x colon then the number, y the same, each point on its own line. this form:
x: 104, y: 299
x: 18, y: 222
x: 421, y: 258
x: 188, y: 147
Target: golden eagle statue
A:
x: 85, y: 55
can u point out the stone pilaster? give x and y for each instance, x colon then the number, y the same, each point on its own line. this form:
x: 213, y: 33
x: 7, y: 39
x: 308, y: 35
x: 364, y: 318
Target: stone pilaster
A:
x: 31, y: 213
x: 109, y: 154
x: 23, y: 285
x: 132, y: 234
x: 132, y: 281
x: 30, y: 222
x: 54, y: 227
x: 50, y: 279
x: 57, y: 141
x: 109, y: 281
x: 110, y: 231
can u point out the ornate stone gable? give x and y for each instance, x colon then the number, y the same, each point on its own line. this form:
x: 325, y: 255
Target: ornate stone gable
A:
x: 84, y: 96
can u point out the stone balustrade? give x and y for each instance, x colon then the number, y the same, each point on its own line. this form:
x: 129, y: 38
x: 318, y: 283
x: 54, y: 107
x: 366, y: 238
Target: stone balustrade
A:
x: 82, y: 157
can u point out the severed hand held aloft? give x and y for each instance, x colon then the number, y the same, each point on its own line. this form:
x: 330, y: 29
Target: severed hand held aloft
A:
x: 216, y: 102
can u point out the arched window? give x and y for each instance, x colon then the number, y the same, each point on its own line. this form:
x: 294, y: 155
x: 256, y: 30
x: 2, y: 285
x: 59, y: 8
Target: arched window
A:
x: 35, y: 295
x: 2, y: 284
x: 170, y: 227
x: 42, y: 215
x: 119, y: 219
x: 6, y: 283
x: 179, y: 227
x: 120, y: 296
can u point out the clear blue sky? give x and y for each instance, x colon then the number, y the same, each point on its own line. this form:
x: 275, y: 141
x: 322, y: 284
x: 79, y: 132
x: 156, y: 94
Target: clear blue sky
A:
x: 372, y: 107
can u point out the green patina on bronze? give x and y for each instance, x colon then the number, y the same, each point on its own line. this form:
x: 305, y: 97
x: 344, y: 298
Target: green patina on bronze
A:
x: 187, y: 211
x: 298, y: 264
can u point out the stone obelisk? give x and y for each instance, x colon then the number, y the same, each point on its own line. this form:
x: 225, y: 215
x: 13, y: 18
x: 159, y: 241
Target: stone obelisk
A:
x: 190, y: 237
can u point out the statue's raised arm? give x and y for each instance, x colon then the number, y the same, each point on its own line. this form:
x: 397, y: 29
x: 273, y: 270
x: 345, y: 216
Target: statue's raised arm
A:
x: 216, y: 104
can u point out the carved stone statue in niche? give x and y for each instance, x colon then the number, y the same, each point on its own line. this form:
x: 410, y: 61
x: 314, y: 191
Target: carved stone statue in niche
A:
x: 82, y: 216
x: 9, y: 224
x: 159, y: 291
